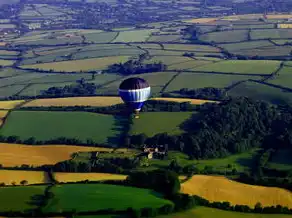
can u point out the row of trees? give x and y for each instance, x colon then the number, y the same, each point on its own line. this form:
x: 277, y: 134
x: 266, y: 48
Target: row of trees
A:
x: 132, y: 67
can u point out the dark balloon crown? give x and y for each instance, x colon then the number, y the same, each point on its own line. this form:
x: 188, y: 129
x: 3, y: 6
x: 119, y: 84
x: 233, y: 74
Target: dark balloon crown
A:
x: 134, y: 83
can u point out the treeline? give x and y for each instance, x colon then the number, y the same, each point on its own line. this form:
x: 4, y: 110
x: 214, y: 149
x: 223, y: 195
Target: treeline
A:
x: 208, y: 93
x: 79, y: 89
x: 132, y: 67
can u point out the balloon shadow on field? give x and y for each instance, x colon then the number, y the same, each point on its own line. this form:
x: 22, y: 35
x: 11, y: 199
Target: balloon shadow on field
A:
x: 121, y: 127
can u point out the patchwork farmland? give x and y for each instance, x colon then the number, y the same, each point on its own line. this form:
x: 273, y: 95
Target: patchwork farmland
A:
x: 220, y: 106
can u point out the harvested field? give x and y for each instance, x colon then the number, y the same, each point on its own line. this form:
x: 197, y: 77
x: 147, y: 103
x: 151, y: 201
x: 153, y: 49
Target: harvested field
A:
x: 192, y: 101
x: 3, y: 114
x: 79, y: 65
x: 75, y: 177
x: 99, y: 101
x: 207, y: 212
x: 17, y: 154
x: 32, y: 177
x: 279, y: 16
x: 201, y: 20
x: 7, y: 105
x: 219, y: 188
x: 225, y: 36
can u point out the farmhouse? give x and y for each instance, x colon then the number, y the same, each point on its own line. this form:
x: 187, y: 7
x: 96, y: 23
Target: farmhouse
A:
x: 157, y: 152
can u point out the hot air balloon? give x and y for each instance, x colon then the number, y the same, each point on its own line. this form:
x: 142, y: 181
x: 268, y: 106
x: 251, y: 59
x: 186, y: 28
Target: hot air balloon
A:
x: 134, y: 92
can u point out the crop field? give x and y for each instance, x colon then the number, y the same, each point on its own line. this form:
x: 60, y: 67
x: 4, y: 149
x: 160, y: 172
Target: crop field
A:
x: 8, y: 53
x: 75, y: 177
x: 100, y: 196
x: 246, y: 45
x: 225, y: 36
x: 181, y: 100
x: 12, y: 155
x: 266, y: 51
x: 134, y: 36
x: 79, y: 65
x: 7, y: 105
x: 163, y: 123
x: 201, y: 80
x: 104, y: 129
x: 16, y: 176
x: 201, y: 20
x: 219, y: 188
x: 18, y: 198
x: 164, y: 38
x: 243, y: 67
x: 190, y: 48
x: 271, y: 34
x: 100, y: 37
x: 206, y: 212
x: 98, y: 101
x: 3, y: 114
x: 6, y: 62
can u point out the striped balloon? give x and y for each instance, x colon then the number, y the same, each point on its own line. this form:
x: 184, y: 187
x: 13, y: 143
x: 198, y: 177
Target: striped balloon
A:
x: 134, y: 92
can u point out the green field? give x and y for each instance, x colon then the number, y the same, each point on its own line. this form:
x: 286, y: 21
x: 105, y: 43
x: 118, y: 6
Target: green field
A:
x: 151, y: 123
x: 201, y: 80
x: 271, y: 34
x: 284, y: 78
x: 133, y: 36
x: 281, y: 160
x: 245, y: 67
x: 245, y: 45
x: 18, y: 198
x: 263, y: 92
x: 225, y: 36
x: 49, y: 125
x: 241, y: 162
x: 6, y: 62
x: 205, y: 212
x: 91, y: 197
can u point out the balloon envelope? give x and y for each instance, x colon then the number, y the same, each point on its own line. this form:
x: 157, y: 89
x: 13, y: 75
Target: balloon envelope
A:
x: 134, y: 92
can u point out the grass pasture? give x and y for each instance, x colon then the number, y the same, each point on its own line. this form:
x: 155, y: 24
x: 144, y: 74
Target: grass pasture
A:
x: 7, y: 105
x: 262, y: 92
x: 75, y: 177
x: 219, y: 188
x: 225, y: 36
x: 134, y: 36
x: 164, y: 122
x: 12, y: 155
x: 206, y: 212
x: 201, y: 80
x: 271, y: 34
x: 79, y: 65
x: 18, y: 198
x: 98, y: 101
x: 103, y: 129
x: 5, y: 63
x: 100, y: 196
x: 32, y: 177
x: 242, y: 67
x: 181, y: 100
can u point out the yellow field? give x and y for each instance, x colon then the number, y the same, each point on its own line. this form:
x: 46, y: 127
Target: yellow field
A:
x: 16, y: 154
x: 201, y: 20
x: 75, y: 177
x: 99, y: 101
x: 32, y: 177
x: 285, y: 26
x: 3, y: 114
x: 7, y: 105
x: 193, y: 101
x: 279, y: 16
x: 219, y: 188
x: 79, y: 65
